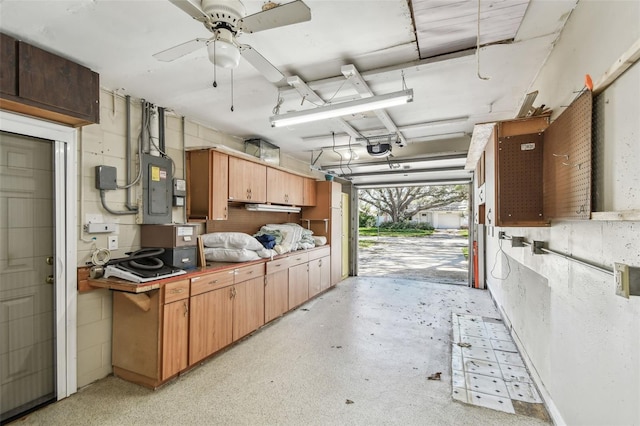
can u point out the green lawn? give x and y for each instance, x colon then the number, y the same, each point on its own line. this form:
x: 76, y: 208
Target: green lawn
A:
x: 366, y: 243
x: 463, y: 232
x: 373, y: 232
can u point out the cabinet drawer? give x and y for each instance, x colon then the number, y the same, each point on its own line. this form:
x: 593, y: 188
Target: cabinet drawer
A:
x: 249, y: 272
x: 176, y: 291
x: 318, y: 253
x: 209, y: 282
x: 278, y: 265
x: 297, y: 259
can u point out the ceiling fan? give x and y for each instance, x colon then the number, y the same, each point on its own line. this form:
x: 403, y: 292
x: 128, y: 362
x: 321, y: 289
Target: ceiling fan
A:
x: 227, y: 19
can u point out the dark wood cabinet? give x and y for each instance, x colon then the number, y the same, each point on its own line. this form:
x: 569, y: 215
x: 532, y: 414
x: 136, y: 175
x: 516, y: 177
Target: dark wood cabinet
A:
x: 58, y: 83
x: 38, y: 83
x: 8, y: 70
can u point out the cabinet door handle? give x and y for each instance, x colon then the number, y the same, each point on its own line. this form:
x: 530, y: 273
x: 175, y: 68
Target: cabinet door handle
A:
x: 213, y: 282
x: 177, y: 291
x: 186, y: 308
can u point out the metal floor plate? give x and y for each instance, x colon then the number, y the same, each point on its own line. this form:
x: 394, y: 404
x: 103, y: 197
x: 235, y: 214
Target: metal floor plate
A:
x: 487, y: 369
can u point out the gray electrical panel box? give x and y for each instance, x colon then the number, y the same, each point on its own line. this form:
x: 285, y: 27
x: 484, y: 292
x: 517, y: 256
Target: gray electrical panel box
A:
x: 156, y: 189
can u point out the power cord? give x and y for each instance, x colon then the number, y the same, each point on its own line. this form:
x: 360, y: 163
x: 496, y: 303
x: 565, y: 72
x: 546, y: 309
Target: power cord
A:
x: 100, y: 256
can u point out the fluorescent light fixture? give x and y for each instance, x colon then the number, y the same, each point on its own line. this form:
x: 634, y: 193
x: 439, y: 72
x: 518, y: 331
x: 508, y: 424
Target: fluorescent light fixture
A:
x: 345, y: 108
x: 271, y: 208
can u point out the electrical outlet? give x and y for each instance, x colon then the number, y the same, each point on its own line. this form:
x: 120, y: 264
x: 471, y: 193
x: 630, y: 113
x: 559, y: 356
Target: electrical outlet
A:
x: 621, y: 279
x: 113, y: 242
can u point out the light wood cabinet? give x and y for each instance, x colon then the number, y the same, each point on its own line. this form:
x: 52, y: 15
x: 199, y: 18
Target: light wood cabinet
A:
x: 207, y: 185
x: 211, y: 324
x: 248, y: 307
x: 276, y: 288
x: 309, y: 192
x: 276, y: 294
x: 319, y: 271
x: 150, y: 334
x: 326, y: 219
x: 225, y: 306
x: 175, y: 338
x: 298, y: 285
x: 161, y: 333
x: 284, y: 188
x: 247, y: 181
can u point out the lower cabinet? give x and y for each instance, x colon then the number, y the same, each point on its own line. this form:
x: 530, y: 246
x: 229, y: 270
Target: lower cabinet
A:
x: 160, y: 333
x: 175, y: 338
x: 319, y: 275
x: 298, y: 285
x: 227, y: 312
x: 319, y: 270
x: 276, y: 294
x: 211, y: 327
x: 150, y: 334
x: 248, y: 307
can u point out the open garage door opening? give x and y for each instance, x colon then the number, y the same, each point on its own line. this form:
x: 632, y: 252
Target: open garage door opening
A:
x: 414, y: 232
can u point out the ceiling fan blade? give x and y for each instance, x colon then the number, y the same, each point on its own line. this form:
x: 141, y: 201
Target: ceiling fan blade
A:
x: 191, y: 9
x: 259, y: 62
x: 279, y: 16
x: 180, y: 50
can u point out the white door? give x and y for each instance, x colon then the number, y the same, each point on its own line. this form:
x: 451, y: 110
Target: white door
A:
x: 27, y: 299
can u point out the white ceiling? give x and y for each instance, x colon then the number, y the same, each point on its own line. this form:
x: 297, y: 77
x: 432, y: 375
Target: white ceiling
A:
x: 117, y: 39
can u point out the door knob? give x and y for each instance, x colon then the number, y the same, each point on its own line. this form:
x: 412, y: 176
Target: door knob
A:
x: 49, y: 260
x: 50, y: 279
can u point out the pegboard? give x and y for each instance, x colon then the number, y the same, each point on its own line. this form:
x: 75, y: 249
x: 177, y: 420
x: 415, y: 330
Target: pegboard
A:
x: 519, y: 192
x: 567, y: 162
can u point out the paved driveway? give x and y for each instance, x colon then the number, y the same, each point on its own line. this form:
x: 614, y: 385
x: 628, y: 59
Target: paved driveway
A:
x: 436, y: 258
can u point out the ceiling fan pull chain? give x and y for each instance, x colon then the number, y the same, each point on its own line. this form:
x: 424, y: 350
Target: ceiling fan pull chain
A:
x: 231, y: 89
x: 215, y: 83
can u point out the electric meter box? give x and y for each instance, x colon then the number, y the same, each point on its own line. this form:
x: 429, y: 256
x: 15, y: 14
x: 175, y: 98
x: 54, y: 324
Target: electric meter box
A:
x: 263, y: 150
x: 168, y: 236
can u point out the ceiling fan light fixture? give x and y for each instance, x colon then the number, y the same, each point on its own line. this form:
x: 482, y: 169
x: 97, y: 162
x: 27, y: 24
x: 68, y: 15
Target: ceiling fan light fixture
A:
x: 345, y: 108
x: 222, y: 52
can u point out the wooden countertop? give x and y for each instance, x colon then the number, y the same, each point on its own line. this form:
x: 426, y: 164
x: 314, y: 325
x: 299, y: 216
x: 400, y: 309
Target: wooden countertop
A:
x: 117, y: 284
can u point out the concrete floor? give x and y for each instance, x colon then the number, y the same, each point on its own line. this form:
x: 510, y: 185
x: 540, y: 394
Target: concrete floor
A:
x: 372, y: 341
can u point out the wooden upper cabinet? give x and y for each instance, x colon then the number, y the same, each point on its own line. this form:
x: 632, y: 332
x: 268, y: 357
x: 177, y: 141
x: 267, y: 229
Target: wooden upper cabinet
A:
x: 309, y: 192
x: 8, y: 68
x: 53, y: 87
x: 207, y: 185
x: 247, y: 181
x: 328, y: 196
x: 284, y: 188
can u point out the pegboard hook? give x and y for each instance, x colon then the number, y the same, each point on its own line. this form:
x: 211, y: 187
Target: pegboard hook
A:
x: 566, y: 156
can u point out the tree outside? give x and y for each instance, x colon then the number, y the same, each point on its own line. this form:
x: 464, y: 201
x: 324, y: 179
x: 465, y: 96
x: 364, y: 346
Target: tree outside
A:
x: 401, y: 203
